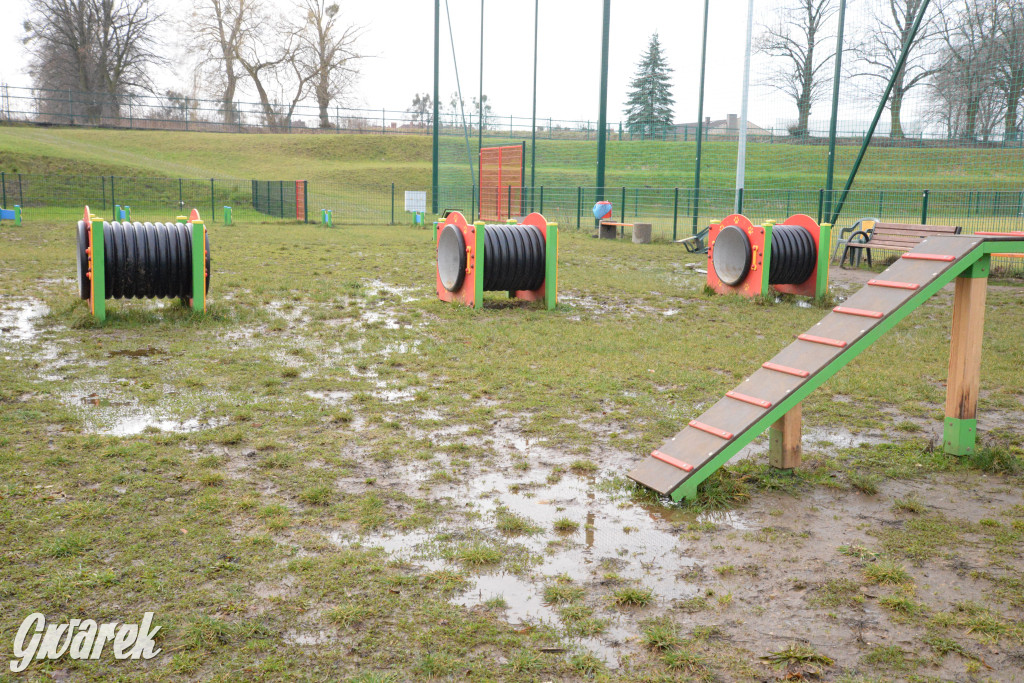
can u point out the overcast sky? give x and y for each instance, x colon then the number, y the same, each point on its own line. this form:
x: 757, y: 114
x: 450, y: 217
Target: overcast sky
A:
x: 398, y: 34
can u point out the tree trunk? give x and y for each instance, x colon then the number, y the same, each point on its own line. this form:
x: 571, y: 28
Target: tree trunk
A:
x: 896, y: 107
x: 1013, y: 97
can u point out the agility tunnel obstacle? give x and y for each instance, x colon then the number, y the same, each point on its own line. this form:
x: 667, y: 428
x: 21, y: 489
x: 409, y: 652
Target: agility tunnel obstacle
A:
x: 771, y: 396
x: 122, y: 260
x: 520, y: 258
x: 752, y: 260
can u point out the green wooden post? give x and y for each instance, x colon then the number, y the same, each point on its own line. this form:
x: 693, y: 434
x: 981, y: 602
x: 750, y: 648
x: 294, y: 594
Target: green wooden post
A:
x: 551, y: 267
x: 478, y: 266
x: 824, y: 251
x: 198, y: 267
x: 99, y: 276
x: 960, y: 426
x: 766, y: 260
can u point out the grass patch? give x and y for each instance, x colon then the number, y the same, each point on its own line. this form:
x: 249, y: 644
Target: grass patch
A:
x: 886, y: 572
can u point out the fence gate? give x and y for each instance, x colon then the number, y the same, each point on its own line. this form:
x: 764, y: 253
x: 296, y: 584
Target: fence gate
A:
x: 501, y: 181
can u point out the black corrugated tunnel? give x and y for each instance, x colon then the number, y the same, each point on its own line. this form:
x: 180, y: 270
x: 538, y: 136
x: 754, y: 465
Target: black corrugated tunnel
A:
x: 513, y: 258
x: 794, y: 255
x: 142, y: 260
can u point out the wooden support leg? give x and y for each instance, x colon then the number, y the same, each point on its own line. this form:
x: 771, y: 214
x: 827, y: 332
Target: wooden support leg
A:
x: 960, y: 428
x: 784, y: 440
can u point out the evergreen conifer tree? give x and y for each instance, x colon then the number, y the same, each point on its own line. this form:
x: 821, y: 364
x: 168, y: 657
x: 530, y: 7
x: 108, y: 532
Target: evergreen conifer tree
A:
x: 649, y: 107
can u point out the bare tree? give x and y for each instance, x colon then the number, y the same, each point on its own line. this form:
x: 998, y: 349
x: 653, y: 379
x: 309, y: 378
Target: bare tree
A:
x: 881, y: 47
x: 1009, y: 63
x: 220, y: 28
x: 422, y: 110
x: 794, y: 40
x: 325, y: 51
x: 103, y: 49
x: 966, y: 68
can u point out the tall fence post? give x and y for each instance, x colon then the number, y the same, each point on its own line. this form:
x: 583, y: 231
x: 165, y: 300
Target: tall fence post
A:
x: 21, y: 195
x: 924, y: 207
x: 3, y: 181
x: 579, y: 205
x: 392, y: 203
x: 675, y: 213
x: 213, y: 204
x: 472, y: 199
x: 305, y: 201
x: 112, y: 198
x: 181, y: 197
x: 821, y: 202
x: 541, y: 209
x: 623, y: 210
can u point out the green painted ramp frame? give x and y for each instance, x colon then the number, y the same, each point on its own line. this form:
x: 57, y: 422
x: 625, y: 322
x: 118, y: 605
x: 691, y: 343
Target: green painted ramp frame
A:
x: 972, y: 264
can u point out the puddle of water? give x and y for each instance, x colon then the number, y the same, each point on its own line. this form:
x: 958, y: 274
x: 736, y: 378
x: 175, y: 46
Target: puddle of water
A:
x: 137, y: 353
x: 136, y: 424
x: 395, y: 395
x: 378, y: 287
x: 18, y: 323
x: 332, y: 397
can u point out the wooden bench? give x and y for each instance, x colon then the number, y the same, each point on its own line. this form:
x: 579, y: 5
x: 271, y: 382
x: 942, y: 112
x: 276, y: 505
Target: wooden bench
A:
x: 610, y: 230
x: 892, y: 236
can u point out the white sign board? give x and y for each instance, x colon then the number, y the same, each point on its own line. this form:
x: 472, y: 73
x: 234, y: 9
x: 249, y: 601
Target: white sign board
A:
x: 416, y: 200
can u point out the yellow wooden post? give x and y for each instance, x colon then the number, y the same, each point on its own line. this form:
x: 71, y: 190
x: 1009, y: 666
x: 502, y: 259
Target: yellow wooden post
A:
x: 784, y: 449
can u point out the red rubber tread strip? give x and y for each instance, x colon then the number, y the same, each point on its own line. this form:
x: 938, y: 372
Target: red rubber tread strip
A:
x: 929, y: 257
x: 668, y: 459
x: 782, y: 368
x: 858, y: 311
x: 894, y: 285
x: 749, y: 399
x: 838, y: 343
x: 714, y: 431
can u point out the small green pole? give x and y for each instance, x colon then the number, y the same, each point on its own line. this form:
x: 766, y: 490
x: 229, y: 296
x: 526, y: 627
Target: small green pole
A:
x: 541, y: 209
x: 227, y: 215
x: 213, y: 202
x: 924, y: 208
x: 392, y: 203
x: 675, y: 213
x: 3, y: 181
x: 17, y: 214
x: 117, y: 212
x: 551, y: 267
x: 198, y: 267
x: 579, y: 206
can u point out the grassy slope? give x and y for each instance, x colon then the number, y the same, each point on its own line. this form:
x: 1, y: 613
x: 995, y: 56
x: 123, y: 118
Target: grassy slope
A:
x: 372, y: 160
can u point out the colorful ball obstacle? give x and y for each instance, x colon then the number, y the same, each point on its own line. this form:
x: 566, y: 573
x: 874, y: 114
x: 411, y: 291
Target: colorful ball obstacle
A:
x: 520, y: 258
x: 749, y: 259
x: 135, y: 260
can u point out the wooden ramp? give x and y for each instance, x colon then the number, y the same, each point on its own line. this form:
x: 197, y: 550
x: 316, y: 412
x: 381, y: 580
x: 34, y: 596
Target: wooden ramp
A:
x: 710, y: 440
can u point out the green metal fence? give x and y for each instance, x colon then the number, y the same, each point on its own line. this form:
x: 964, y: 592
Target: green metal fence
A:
x: 672, y: 211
